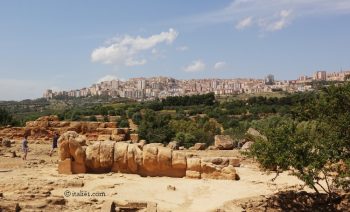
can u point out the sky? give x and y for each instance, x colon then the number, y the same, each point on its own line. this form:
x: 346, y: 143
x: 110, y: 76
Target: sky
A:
x: 67, y: 44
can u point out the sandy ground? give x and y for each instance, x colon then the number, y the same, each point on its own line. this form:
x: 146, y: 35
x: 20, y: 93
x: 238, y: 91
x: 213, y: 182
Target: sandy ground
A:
x: 30, y: 183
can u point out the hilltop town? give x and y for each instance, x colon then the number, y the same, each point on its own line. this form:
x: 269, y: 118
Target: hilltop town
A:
x: 162, y: 87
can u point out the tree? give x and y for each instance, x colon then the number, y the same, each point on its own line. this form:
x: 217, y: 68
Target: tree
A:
x: 154, y: 127
x: 137, y: 118
x: 301, y: 147
x: 123, y: 123
x: 5, y: 117
x: 315, y: 143
x: 185, y: 139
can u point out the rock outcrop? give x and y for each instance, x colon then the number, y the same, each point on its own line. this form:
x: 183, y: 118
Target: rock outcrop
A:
x: 5, y: 142
x: 253, y: 134
x: 198, y: 146
x: 174, y: 145
x: 224, y: 142
x: 151, y: 160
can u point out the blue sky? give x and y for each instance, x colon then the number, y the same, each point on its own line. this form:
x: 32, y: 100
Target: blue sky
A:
x: 72, y: 44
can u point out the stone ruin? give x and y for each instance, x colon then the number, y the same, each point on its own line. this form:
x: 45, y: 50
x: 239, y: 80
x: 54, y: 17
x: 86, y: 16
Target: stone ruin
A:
x: 43, y: 128
x: 138, y: 158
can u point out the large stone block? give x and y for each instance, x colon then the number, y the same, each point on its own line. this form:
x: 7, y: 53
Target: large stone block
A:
x: 224, y: 142
x: 134, y: 156
x: 164, y: 158
x: 93, y: 157
x: 78, y: 168
x: 65, y: 166
x: 179, y: 160
x: 198, y: 146
x: 106, y: 131
x: 107, y: 155
x: 120, y: 163
x: 193, y: 174
x: 179, y: 164
x: 150, y: 159
x: 193, y: 168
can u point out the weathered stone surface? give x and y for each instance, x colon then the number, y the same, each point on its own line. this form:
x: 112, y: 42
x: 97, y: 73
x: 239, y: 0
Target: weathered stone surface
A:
x: 194, y: 164
x: 193, y: 174
x: 182, y: 148
x: 93, y: 157
x: 81, y: 139
x: 110, y: 125
x: 193, y: 168
x: 156, y: 144
x: 76, y: 151
x: 107, y: 155
x: 230, y: 173
x: 153, y: 160
x: 108, y: 206
x: 65, y: 167
x: 118, y: 137
x: 216, y: 160
x: 235, y: 162
x: 212, y: 148
x: 120, y: 163
x: 6, y: 142
x: 224, y: 142
x: 164, y: 160
x: 179, y: 160
x: 141, y: 144
x: 151, y: 207
x: 212, y: 171
x: 63, y: 150
x: 69, y: 148
x: 134, y: 137
x: 75, y: 126
x: 252, y: 134
x: 150, y: 158
x: 179, y: 164
x: 247, y: 145
x: 174, y: 145
x: 198, y: 146
x: 78, y: 168
x: 106, y: 131
x: 42, y: 129
x: 134, y: 157
x: 104, y: 137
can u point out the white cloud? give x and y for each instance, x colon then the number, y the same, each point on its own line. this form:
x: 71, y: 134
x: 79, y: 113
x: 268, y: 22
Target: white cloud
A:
x: 182, y: 48
x: 195, y: 66
x: 264, y: 11
x: 125, y: 50
x: 244, y: 23
x: 279, y: 22
x: 220, y: 65
x: 154, y: 51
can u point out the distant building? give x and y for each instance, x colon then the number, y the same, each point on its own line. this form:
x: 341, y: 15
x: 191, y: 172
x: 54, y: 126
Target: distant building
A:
x: 141, y: 84
x: 48, y: 94
x: 320, y: 75
x: 303, y: 78
x: 269, y: 79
